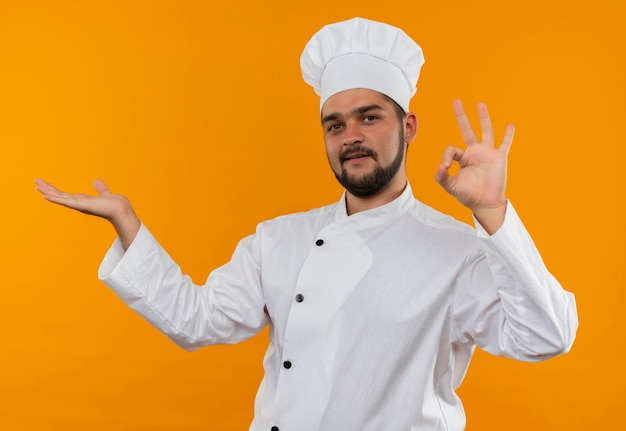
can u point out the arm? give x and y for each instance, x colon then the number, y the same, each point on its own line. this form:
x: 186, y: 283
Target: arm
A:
x: 480, y: 183
x: 112, y: 207
x: 228, y: 309
x: 507, y: 301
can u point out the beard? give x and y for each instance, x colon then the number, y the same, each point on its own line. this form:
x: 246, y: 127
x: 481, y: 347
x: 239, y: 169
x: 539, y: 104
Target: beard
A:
x: 377, y: 180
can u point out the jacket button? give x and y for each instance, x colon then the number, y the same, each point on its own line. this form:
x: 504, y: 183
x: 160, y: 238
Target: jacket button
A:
x: 287, y: 364
x: 319, y: 242
x: 274, y: 429
x: 299, y: 297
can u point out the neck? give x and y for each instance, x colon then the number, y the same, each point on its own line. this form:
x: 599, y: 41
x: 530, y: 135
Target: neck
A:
x: 356, y: 204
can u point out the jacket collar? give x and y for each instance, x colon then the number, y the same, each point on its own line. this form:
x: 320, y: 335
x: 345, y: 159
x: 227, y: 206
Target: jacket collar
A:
x: 399, y: 206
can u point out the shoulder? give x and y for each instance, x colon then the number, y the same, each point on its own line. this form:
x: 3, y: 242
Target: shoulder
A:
x: 435, y: 219
x: 316, y: 217
x: 440, y: 234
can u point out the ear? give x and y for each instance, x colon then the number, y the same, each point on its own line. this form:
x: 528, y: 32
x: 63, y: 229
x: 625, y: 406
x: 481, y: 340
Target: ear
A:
x: 410, y: 127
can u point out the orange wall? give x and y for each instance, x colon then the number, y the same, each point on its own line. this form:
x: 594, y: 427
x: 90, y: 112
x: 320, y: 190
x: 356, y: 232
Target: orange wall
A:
x: 198, y: 113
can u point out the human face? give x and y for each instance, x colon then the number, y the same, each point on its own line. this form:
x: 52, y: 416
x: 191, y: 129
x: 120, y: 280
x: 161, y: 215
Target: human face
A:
x: 365, y: 141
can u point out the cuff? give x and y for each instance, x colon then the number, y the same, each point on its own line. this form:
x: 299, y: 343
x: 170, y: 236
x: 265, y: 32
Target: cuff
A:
x: 118, y: 263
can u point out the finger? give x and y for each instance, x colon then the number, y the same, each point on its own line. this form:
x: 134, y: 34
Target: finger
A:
x: 40, y: 185
x: 54, y: 195
x: 464, y: 124
x: 508, y: 139
x: 101, y: 187
x: 46, y: 188
x: 485, y: 125
x: 451, y: 154
x: 442, y: 176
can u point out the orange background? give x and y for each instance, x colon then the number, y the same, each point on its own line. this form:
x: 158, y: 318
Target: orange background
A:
x: 197, y: 112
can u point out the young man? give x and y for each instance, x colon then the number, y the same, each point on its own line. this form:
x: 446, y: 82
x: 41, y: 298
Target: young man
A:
x: 376, y: 303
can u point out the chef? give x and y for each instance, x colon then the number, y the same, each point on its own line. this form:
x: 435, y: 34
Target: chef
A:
x: 375, y: 303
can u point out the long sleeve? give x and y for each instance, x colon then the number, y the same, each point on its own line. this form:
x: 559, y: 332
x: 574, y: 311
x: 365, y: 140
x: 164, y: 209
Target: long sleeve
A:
x: 508, y: 303
x: 374, y: 317
x: 227, y: 309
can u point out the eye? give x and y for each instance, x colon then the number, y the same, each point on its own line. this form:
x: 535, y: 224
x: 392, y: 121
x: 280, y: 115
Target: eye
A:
x: 369, y: 118
x: 333, y: 127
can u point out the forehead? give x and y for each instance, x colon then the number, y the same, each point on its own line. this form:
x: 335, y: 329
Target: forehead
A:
x: 346, y: 101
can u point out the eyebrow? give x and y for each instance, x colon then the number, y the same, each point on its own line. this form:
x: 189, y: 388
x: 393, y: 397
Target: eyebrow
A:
x: 360, y: 110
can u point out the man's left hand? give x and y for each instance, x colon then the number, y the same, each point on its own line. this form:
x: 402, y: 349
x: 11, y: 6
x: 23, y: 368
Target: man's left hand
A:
x: 480, y: 183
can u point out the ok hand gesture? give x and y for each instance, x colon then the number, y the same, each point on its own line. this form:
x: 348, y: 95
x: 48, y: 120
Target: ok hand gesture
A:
x: 481, y: 180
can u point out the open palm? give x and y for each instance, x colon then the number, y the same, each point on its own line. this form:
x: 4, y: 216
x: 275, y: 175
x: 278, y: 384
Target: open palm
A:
x: 113, y: 207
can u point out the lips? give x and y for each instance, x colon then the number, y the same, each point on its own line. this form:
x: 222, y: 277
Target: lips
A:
x: 356, y: 153
x: 356, y: 156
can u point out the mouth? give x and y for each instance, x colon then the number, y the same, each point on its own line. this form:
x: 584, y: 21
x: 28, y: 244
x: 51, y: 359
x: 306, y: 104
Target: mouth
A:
x: 356, y: 155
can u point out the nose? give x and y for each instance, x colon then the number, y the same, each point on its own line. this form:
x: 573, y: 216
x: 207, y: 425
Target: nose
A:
x: 353, y: 134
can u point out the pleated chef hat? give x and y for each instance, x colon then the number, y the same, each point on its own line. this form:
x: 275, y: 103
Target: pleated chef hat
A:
x: 360, y: 53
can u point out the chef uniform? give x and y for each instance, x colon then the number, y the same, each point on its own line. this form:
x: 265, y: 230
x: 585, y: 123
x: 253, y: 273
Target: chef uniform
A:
x: 374, y: 316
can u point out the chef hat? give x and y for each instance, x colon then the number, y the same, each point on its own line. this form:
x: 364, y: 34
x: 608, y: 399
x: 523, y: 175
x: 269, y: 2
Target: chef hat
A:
x: 360, y: 53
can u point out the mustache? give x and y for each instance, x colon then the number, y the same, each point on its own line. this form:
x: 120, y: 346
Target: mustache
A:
x: 357, y: 150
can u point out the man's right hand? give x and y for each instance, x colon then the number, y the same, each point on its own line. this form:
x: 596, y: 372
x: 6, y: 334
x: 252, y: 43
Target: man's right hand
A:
x: 113, y: 207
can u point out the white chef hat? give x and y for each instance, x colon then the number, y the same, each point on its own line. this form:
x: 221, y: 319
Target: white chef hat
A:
x: 360, y: 53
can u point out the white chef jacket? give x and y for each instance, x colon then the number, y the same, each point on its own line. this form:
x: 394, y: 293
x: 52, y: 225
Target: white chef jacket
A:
x: 373, y: 317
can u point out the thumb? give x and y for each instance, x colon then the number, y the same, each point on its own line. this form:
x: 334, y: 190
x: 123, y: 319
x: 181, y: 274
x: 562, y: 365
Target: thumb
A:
x: 443, y: 177
x: 101, y: 187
